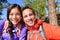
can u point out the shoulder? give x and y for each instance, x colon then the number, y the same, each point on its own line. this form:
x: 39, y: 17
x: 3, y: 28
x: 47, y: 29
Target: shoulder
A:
x: 50, y: 25
x: 51, y: 28
x: 24, y: 27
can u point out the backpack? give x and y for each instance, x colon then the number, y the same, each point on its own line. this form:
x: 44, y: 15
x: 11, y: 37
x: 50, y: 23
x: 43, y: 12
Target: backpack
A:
x: 41, y: 30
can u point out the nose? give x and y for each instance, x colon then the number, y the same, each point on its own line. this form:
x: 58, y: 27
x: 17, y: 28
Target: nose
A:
x: 29, y: 17
x: 14, y: 16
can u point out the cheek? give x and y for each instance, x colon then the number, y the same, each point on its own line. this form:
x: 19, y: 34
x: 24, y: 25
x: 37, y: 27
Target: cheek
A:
x: 33, y: 17
x: 19, y: 18
x: 25, y: 19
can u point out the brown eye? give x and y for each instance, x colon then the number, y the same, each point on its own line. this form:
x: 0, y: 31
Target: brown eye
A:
x: 11, y: 14
x: 17, y: 13
x: 31, y: 14
x: 25, y: 16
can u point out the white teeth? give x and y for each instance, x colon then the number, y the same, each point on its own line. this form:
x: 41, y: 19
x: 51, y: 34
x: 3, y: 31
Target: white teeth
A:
x: 30, y: 21
x: 14, y: 20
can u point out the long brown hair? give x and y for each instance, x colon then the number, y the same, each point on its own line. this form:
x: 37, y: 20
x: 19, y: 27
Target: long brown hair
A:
x: 8, y: 13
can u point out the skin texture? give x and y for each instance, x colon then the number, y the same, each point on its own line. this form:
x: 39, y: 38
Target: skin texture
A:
x: 14, y: 16
x: 28, y: 17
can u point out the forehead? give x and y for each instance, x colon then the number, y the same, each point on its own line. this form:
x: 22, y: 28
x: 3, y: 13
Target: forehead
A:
x: 14, y: 10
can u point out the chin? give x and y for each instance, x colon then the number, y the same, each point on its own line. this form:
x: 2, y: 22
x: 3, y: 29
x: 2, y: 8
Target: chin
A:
x: 31, y: 24
x: 14, y: 24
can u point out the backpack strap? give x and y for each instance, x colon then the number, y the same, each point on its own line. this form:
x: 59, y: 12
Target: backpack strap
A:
x: 42, y: 32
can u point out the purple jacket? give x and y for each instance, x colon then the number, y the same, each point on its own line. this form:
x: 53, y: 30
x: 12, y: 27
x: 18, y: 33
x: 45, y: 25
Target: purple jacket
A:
x: 6, y: 36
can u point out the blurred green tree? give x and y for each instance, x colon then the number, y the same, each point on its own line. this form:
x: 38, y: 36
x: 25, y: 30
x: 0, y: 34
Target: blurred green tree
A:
x: 3, y: 4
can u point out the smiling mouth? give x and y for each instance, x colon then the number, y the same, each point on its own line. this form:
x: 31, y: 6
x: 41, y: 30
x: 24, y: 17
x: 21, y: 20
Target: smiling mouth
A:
x: 30, y: 21
x: 14, y: 21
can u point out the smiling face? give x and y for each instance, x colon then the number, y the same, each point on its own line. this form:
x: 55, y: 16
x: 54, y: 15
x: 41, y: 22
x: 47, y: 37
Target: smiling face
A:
x: 14, y: 16
x: 28, y: 17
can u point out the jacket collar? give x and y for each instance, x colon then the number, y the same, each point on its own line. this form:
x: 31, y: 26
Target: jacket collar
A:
x: 37, y: 23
